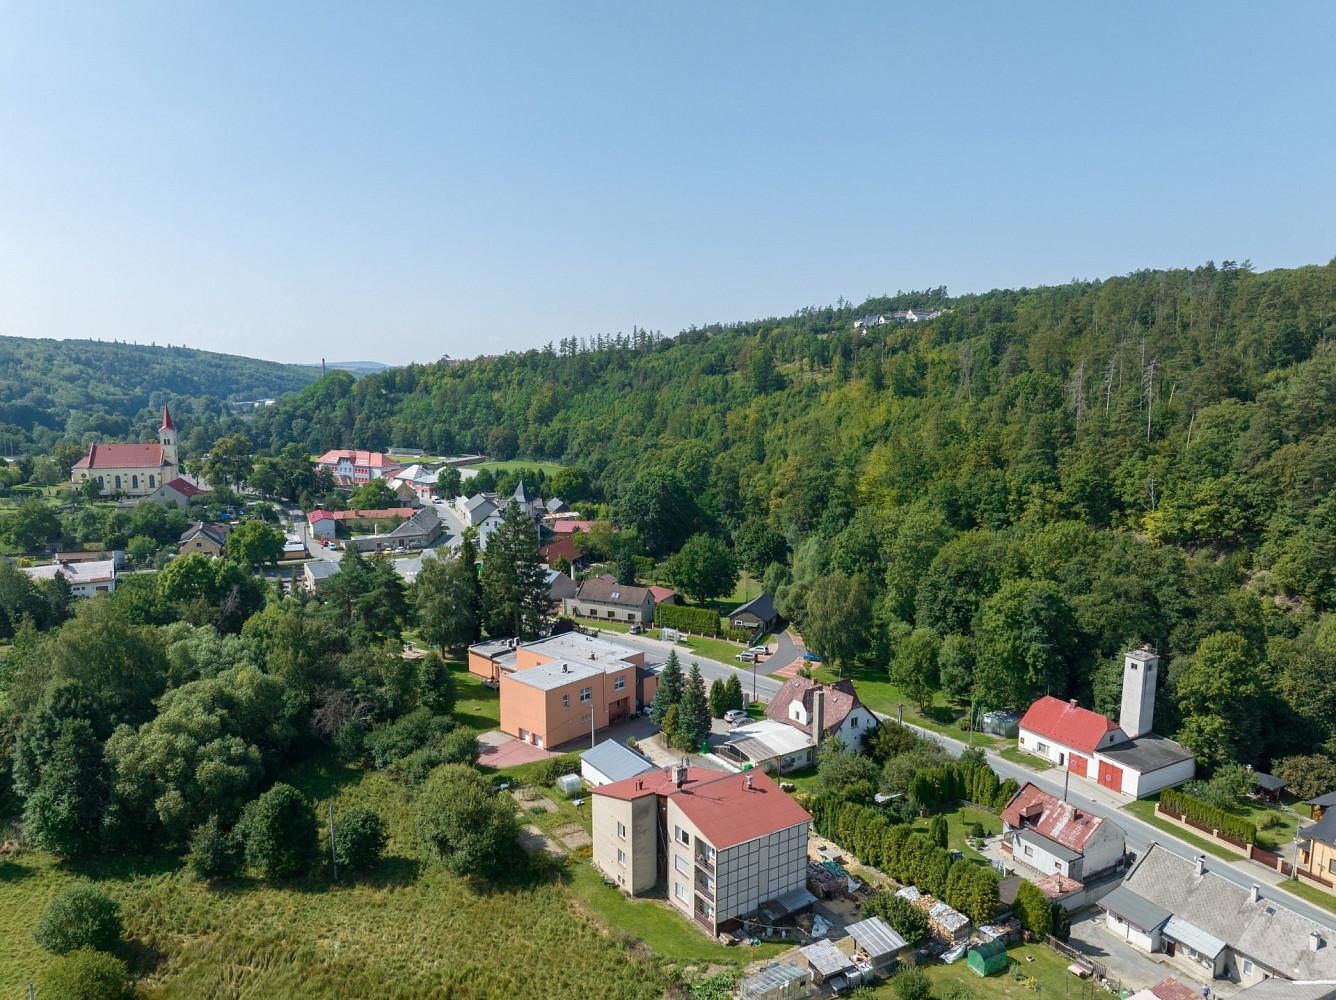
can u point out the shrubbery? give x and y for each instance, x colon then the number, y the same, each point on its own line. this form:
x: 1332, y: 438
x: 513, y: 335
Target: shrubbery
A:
x: 278, y: 834
x: 85, y: 974
x: 359, y: 839
x: 1208, y: 815
x: 213, y: 851
x: 81, y: 917
x: 684, y: 619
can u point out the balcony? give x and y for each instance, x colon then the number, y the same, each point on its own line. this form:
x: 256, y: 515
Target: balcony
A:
x: 705, y: 862
x: 704, y: 920
x: 704, y: 889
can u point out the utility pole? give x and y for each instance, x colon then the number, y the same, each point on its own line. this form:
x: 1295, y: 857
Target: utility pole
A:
x: 754, y: 698
x: 333, y: 849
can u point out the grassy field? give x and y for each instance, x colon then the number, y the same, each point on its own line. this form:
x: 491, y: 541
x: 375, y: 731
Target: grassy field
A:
x: 1016, y: 756
x: 959, y: 821
x: 518, y: 463
x: 476, y: 704
x: 408, y: 930
x: 1045, y: 967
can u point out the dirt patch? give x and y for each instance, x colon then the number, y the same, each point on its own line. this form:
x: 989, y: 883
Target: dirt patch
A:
x: 573, y: 836
x: 533, y: 839
x: 532, y: 798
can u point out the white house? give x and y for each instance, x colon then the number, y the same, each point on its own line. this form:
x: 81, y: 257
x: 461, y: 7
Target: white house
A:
x: 1125, y: 757
x: 94, y: 576
x: 1047, y: 835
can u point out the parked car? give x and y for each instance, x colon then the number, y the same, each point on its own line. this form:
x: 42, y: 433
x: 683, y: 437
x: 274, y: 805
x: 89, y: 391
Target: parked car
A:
x: 759, y: 650
x: 636, y: 629
x: 735, y: 715
x: 747, y: 656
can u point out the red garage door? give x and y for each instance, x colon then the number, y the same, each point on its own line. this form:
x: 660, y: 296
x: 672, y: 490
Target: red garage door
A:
x: 1077, y: 764
x: 1110, y: 776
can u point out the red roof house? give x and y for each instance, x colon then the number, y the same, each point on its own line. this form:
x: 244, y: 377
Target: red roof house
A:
x: 842, y: 713
x: 1068, y: 724
x: 1056, y: 838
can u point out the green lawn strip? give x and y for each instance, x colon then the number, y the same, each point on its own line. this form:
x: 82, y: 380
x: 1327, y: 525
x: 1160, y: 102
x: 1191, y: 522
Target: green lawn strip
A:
x: 1314, y: 894
x: 877, y: 692
x: 714, y: 649
x: 622, y: 627
x: 1144, y: 809
x: 516, y: 463
x: 1048, y: 969
x: 804, y: 778
x: 1017, y: 756
x: 476, y: 705
x: 652, y: 921
x: 959, y: 822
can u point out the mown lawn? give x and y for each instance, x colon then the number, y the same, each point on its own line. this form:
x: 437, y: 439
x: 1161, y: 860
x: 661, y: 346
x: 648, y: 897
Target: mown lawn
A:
x: 517, y: 463
x: 476, y: 705
x: 408, y: 930
x: 1043, y: 965
x: 959, y: 822
x: 1017, y: 756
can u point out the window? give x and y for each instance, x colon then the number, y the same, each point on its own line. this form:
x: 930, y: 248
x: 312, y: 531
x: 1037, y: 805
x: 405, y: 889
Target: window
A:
x: 1331, y: 866
x: 681, y: 836
x: 1027, y: 850
x: 619, y: 684
x: 586, y: 694
x: 150, y: 482
x: 682, y: 864
x: 853, y: 723
x: 612, y: 614
x: 1247, y: 967
x: 621, y: 857
x: 134, y: 482
x: 621, y: 830
x: 705, y: 851
x: 1041, y: 747
x: 565, y: 701
x: 118, y: 482
x: 680, y: 891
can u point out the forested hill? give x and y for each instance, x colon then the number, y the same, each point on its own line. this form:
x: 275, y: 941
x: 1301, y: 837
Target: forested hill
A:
x: 78, y: 388
x: 1039, y: 476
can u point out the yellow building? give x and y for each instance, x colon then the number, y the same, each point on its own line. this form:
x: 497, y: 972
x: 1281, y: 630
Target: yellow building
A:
x: 131, y: 469
x: 1317, y: 848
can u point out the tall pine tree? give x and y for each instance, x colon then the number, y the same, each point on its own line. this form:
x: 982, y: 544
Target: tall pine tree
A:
x: 693, y: 710
x: 514, y: 585
x: 670, y: 688
x: 717, y: 696
x: 447, y: 601
x: 733, y: 696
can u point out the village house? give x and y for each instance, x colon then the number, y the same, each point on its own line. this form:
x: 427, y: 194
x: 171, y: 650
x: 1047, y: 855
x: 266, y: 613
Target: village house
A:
x: 1317, y: 850
x: 799, y: 719
x: 721, y: 846
x: 325, y: 523
x: 316, y: 572
x: 603, y: 597
x: 1124, y: 757
x: 85, y: 578
x: 133, y: 469
x: 418, y: 531
x: 1047, y: 835
x: 757, y: 614
x: 177, y: 493
x: 565, y: 687
x: 559, y: 586
x: 352, y: 467
x: 211, y: 539
x: 1214, y: 927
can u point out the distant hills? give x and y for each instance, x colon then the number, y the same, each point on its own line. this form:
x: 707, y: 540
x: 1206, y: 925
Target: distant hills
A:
x: 50, y: 389
x: 356, y: 367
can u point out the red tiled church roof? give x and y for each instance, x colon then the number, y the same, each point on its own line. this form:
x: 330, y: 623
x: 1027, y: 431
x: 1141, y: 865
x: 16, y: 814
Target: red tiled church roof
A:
x: 121, y: 456
x: 1067, y: 723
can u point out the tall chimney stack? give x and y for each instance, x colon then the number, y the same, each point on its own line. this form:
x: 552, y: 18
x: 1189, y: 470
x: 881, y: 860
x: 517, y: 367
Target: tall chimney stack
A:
x: 1140, y: 667
x: 818, y: 715
x: 1199, y: 866
x: 1255, y: 893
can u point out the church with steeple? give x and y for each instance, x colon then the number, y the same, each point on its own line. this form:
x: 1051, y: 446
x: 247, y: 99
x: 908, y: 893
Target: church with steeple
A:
x: 130, y: 469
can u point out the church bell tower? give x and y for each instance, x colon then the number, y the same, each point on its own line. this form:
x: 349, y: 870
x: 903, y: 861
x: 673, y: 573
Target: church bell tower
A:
x: 167, y: 438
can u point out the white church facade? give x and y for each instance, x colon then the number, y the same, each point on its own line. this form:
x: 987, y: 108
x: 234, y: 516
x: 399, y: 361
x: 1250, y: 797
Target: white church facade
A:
x: 1125, y: 757
x: 131, y: 469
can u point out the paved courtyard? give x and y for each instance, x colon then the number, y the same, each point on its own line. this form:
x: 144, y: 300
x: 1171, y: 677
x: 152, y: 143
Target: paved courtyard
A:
x: 499, y: 750
x: 1133, y: 967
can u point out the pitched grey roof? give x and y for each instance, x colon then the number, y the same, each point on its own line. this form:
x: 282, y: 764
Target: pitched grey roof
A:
x: 1270, y: 782
x: 616, y: 761
x: 762, y: 606
x: 826, y: 959
x: 321, y: 569
x: 521, y: 495
x: 1147, y: 753
x: 1194, y: 937
x: 1135, y: 910
x: 1265, y: 931
x: 1324, y: 830
x: 1323, y: 800
x: 606, y: 590
x: 1283, y: 989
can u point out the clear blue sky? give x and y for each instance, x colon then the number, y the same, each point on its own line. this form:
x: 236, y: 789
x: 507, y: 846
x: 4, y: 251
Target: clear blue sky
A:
x: 400, y: 181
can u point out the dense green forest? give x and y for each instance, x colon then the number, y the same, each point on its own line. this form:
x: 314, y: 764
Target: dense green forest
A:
x: 1025, y: 485
x: 89, y: 390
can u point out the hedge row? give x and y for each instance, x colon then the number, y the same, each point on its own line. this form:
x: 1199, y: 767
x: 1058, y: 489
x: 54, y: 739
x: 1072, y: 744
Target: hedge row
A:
x: 1206, y: 814
x: 684, y: 619
x: 908, y: 857
x: 956, y: 782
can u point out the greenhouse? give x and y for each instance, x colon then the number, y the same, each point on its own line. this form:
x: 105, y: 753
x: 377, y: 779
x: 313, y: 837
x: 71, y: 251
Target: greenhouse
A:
x: 988, y: 958
x: 782, y: 981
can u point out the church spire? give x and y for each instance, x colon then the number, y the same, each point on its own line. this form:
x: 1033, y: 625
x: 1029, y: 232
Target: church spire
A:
x: 167, y: 424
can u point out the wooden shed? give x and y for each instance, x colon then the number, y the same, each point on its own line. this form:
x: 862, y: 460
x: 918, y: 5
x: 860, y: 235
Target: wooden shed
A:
x: 988, y: 958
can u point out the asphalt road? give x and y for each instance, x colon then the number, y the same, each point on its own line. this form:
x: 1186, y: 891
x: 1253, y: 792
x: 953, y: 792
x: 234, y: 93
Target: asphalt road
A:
x: 1139, y: 834
x: 765, y: 687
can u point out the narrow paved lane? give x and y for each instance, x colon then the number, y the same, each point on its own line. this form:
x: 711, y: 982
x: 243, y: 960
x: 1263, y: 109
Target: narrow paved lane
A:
x: 764, y: 687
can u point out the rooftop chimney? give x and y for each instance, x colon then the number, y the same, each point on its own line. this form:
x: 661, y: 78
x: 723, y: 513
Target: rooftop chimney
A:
x: 1071, y: 813
x: 818, y: 715
x: 1072, y: 702
x: 1199, y: 867
x: 1314, y: 941
x: 680, y: 773
x: 1255, y: 893
x: 749, y: 782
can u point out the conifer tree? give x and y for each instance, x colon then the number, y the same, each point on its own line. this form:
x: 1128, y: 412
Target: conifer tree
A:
x: 734, y: 698
x: 670, y: 689
x: 693, y: 710
x: 937, y: 831
x: 717, y: 696
x: 514, y: 586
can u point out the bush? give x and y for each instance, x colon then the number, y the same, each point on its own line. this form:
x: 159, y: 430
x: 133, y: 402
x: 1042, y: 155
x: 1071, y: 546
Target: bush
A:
x: 685, y: 619
x: 1208, y: 815
x: 911, y: 983
x: 213, y: 852
x: 460, y: 746
x: 390, y: 741
x: 350, y: 741
x: 1062, y: 921
x: 976, y: 831
x: 86, y: 974
x: 359, y: 839
x: 278, y: 833
x: 546, y: 772
x: 464, y: 823
x: 1032, y: 909
x: 81, y: 917
x: 958, y: 991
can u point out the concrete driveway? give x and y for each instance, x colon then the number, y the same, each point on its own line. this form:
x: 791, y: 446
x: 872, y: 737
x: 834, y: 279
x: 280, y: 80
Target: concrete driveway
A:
x: 787, y: 651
